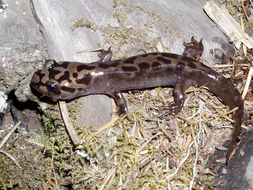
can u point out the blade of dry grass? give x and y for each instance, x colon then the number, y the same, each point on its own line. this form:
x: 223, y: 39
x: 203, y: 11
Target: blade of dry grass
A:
x: 246, y: 88
x: 71, y: 130
x: 11, y: 157
x: 5, y: 140
x: 9, y: 134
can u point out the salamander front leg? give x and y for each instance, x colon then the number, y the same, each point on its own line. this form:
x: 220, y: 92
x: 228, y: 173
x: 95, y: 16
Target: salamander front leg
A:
x: 120, y: 101
x: 179, y: 94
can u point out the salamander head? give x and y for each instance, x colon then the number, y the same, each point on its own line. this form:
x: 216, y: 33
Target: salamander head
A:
x: 61, y: 81
x: 43, y: 84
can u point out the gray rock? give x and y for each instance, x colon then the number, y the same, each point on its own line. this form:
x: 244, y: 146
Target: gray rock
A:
x: 21, y: 48
x: 3, y: 102
x: 237, y: 175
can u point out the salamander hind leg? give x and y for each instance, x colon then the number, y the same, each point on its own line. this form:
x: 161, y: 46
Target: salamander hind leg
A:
x: 179, y: 96
x: 194, y: 49
x: 105, y: 55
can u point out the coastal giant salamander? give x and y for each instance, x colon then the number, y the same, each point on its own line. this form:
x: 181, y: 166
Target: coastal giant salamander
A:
x: 68, y: 80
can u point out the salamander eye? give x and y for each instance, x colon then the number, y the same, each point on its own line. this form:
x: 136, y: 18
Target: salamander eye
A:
x: 53, y: 86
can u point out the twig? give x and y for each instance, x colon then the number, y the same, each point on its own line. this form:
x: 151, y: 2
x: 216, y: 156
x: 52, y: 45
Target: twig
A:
x: 111, y: 180
x: 143, y: 132
x: 120, y: 183
x: 248, y: 81
x: 244, y: 9
x: 181, y: 162
x: 231, y: 111
x: 12, y: 158
x: 196, y: 154
x: 147, y: 160
x: 193, y: 133
x: 9, y: 134
x: 228, y: 24
x: 109, y: 124
x: 228, y: 65
x: 108, y: 177
x: 4, y: 141
x: 194, y: 166
x: 32, y: 141
x: 90, y: 50
x: 145, y: 144
x: 65, y: 116
x: 225, y: 116
x: 184, y: 119
x: 222, y: 66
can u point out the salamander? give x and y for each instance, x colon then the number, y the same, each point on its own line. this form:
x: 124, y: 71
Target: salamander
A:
x: 68, y: 80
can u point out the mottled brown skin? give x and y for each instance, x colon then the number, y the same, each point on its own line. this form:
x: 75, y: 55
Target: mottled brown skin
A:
x: 69, y: 80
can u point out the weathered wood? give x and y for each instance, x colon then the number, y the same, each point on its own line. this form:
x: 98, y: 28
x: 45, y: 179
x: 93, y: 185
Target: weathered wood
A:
x: 228, y: 25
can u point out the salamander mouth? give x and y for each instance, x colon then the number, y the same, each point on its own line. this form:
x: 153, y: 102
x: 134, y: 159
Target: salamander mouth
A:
x: 34, y: 85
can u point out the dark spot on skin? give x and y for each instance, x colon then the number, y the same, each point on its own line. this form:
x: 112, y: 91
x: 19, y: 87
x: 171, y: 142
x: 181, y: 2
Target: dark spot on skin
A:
x: 41, y: 75
x: 171, y: 55
x: 128, y: 68
x: 115, y: 63
x: 168, y: 55
x: 180, y: 64
x: 86, y: 79
x: 180, y: 67
x: 75, y: 75
x: 154, y: 53
x: 84, y: 67
x: 130, y: 60
x: 188, y: 59
x: 156, y: 65
x: 192, y: 64
x: 104, y: 65
x: 144, y: 55
x: 223, y: 46
x: 65, y: 76
x: 63, y: 64
x: 164, y: 60
x: 53, y: 73
x: 109, y: 64
x: 67, y: 89
x: 143, y: 66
